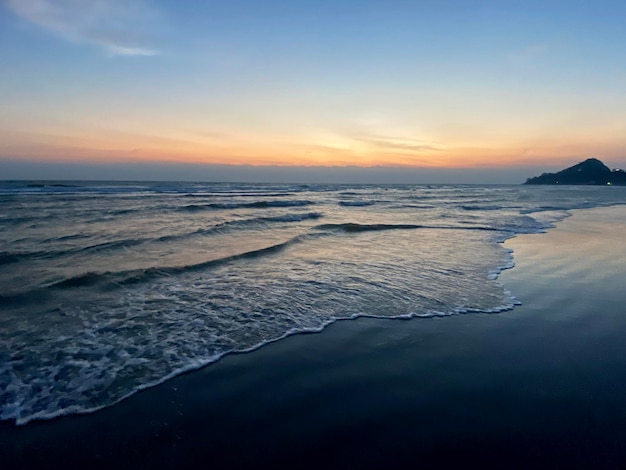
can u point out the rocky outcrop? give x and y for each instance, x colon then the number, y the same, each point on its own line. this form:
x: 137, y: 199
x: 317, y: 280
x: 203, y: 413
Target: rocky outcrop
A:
x: 590, y: 172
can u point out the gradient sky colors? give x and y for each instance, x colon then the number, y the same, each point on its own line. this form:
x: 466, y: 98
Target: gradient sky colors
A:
x: 428, y: 84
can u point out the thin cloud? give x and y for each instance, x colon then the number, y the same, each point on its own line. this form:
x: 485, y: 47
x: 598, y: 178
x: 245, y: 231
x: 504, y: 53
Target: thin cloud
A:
x: 384, y: 142
x: 117, y: 26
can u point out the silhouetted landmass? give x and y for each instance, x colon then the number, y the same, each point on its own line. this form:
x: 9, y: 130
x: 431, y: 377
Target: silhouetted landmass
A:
x: 591, y: 172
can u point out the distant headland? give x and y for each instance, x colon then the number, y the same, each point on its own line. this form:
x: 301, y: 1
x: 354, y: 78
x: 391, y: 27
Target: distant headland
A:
x: 590, y: 172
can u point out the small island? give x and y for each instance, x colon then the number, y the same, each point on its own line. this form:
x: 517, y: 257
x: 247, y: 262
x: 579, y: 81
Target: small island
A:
x: 590, y: 172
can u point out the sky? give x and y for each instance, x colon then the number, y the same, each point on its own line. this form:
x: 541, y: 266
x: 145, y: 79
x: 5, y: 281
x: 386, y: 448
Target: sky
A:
x: 454, y: 90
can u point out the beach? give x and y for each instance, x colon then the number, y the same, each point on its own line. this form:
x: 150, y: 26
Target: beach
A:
x: 542, y: 385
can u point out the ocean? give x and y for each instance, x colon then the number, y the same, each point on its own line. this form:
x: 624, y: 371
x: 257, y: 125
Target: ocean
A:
x: 107, y: 288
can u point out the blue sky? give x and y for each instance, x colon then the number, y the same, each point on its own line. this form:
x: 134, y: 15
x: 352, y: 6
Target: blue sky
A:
x: 421, y: 84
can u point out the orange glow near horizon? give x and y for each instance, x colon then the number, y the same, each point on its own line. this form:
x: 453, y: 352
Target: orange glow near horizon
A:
x: 367, y: 146
x: 255, y: 153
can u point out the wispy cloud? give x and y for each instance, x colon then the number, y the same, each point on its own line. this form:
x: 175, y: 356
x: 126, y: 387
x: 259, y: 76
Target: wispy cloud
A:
x: 117, y: 26
x: 398, y: 143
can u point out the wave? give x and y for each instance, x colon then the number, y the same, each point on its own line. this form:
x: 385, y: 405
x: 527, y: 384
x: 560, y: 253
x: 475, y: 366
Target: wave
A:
x: 81, y: 280
x: 137, y: 276
x: 110, y: 245
x: 415, y: 206
x: 238, y: 194
x: 15, y: 220
x: 142, y: 210
x: 23, y: 219
x: 98, y: 247
x: 487, y: 208
x: 126, y: 211
x: 356, y: 203
x: 15, y: 257
x: 10, y: 258
x: 354, y: 227
x: 255, y: 221
x: 213, y: 206
x: 74, y: 236
x: 555, y: 208
x: 52, y: 185
x: 294, y: 217
x: 244, y: 205
x: 74, y: 400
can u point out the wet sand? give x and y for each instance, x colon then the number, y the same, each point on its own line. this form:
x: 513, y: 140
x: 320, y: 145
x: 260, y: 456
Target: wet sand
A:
x: 542, y: 386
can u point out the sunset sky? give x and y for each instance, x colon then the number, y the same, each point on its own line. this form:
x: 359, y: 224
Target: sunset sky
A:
x: 433, y: 84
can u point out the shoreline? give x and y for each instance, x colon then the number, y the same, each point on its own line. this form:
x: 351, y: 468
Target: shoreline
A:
x: 541, y: 384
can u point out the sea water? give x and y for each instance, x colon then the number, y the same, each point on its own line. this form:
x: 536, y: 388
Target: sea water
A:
x: 109, y: 288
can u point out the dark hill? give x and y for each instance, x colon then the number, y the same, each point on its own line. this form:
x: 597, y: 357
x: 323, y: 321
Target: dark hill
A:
x: 591, y: 171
